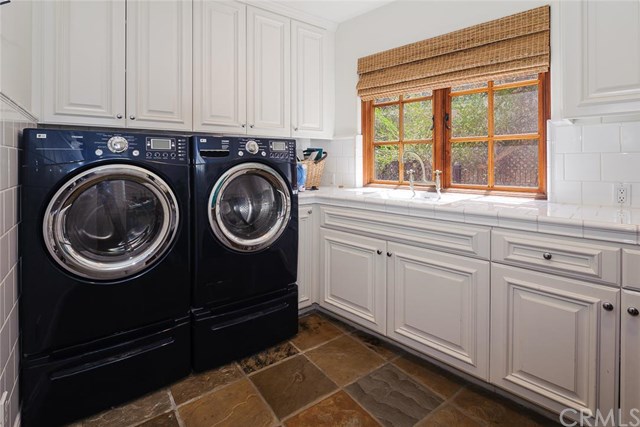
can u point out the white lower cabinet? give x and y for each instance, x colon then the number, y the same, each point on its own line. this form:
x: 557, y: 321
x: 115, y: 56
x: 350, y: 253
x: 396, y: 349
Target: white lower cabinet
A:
x: 306, y: 272
x: 353, y: 277
x: 629, y: 361
x: 554, y: 341
x: 438, y: 304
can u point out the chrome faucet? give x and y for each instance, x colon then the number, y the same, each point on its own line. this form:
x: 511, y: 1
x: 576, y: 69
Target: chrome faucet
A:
x: 411, y: 173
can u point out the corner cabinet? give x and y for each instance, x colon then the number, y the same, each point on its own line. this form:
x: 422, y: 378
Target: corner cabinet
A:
x: 601, y: 57
x: 554, y: 341
x: 85, y: 48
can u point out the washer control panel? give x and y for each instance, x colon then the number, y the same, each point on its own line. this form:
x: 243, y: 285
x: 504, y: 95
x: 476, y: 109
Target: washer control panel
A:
x: 172, y: 149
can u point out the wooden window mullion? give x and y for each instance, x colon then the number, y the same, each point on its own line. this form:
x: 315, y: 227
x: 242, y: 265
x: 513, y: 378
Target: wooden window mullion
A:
x: 401, y: 140
x: 490, y: 158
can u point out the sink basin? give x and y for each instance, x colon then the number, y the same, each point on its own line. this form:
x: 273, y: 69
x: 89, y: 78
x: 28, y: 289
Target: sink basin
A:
x: 406, y: 195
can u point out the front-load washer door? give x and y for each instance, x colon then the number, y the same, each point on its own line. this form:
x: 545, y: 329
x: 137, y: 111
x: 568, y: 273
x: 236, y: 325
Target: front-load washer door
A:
x: 249, y: 207
x: 111, y: 222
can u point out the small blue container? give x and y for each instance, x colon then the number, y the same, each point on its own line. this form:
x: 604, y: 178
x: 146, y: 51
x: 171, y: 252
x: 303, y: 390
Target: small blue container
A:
x: 302, y: 176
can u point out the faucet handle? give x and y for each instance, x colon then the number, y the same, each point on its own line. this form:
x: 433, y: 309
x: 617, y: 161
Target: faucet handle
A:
x: 411, y: 173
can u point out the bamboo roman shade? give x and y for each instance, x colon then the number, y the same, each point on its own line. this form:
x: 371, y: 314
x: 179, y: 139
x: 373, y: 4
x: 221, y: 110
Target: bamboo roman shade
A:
x: 514, y: 45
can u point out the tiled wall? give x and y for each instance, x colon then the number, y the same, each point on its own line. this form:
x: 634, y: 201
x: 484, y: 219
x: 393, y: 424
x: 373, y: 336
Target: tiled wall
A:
x: 12, y: 122
x: 342, y: 167
x: 588, y: 160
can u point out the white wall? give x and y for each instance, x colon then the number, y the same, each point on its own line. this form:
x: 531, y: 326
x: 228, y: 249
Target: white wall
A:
x: 400, y: 23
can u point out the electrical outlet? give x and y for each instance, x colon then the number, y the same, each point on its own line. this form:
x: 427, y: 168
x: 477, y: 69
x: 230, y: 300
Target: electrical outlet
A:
x: 622, y: 194
x: 4, y: 410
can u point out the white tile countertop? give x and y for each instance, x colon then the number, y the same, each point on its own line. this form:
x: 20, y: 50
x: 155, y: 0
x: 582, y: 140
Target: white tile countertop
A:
x: 611, y: 224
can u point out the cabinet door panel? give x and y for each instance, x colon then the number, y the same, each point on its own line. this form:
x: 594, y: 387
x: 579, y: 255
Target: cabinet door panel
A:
x: 159, y: 64
x: 439, y: 305
x: 552, y: 341
x: 269, y: 65
x: 630, y: 363
x: 601, y: 56
x: 309, y: 81
x: 306, y: 273
x: 353, y: 277
x: 220, y: 67
x: 84, y: 62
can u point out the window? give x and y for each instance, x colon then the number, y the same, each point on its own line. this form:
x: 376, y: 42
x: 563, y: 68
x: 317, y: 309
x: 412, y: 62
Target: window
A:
x: 484, y: 136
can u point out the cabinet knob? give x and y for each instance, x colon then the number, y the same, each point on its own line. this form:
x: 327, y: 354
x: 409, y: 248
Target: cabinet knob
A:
x: 546, y: 255
x: 633, y: 311
x: 389, y: 254
x: 379, y: 252
x: 295, y: 129
x: 244, y: 125
x: 132, y: 117
x: 310, y: 211
x: 118, y: 116
x: 607, y: 306
x: 251, y: 126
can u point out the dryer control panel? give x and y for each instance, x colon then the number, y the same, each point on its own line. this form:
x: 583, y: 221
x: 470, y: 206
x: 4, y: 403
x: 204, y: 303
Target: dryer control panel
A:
x: 245, y: 147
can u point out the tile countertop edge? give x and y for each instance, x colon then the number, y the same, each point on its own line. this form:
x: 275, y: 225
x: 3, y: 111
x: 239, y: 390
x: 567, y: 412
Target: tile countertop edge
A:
x: 551, y: 218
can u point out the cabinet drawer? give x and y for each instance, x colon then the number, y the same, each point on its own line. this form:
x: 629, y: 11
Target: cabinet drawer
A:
x: 440, y: 235
x: 631, y: 268
x: 572, y: 257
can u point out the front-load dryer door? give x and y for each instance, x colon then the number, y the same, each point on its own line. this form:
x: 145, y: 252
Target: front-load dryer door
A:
x: 249, y: 207
x: 111, y: 222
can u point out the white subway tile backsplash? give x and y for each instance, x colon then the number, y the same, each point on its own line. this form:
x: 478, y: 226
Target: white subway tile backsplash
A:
x: 621, y: 167
x: 582, y: 167
x: 597, y: 193
x: 601, y: 139
x: 566, y: 139
x: 567, y: 192
x: 630, y: 137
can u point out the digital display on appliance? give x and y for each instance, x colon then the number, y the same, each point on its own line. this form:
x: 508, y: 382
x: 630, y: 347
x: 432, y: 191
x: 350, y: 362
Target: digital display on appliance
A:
x: 160, y: 144
x: 278, y: 146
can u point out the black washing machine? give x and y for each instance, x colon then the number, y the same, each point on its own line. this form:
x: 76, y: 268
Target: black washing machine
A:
x: 245, y: 246
x: 104, y: 242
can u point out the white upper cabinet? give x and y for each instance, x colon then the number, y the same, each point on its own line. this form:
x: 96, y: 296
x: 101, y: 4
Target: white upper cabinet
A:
x: 269, y: 73
x: 601, y: 57
x: 311, y: 86
x: 84, y: 62
x: 159, y: 64
x: 219, y: 67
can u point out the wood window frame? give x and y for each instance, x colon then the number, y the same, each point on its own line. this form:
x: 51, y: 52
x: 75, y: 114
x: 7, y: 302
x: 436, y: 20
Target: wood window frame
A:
x: 441, y: 105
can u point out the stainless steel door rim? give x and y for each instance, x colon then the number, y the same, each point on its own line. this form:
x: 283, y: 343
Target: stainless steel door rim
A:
x: 249, y: 212
x: 135, y: 255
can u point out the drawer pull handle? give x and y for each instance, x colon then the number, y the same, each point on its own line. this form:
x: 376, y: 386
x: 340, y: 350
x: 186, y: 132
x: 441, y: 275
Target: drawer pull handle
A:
x: 379, y: 252
x: 633, y: 311
x: 310, y: 211
x: 546, y: 256
x: 607, y: 306
x: 389, y: 254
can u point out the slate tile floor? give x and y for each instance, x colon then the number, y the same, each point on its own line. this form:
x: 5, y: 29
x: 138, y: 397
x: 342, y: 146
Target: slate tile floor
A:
x: 330, y: 374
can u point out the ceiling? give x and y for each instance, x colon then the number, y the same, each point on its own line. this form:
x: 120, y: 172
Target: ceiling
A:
x: 334, y: 10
